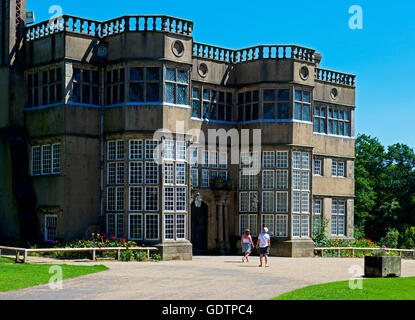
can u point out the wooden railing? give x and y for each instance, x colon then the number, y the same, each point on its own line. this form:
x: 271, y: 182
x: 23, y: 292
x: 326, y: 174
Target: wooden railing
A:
x: 334, y: 77
x: 141, y: 23
x: 202, y: 50
x: 24, y: 252
x: 353, y: 249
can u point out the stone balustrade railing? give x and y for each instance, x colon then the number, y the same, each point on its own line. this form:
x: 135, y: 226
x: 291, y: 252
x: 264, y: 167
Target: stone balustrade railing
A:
x: 335, y: 77
x: 253, y: 53
x: 95, y: 28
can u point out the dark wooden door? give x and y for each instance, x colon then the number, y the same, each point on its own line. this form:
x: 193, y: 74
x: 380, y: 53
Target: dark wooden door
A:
x: 199, y: 228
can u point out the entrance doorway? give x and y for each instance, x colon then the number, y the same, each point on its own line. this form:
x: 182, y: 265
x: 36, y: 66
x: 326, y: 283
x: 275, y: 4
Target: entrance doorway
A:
x: 199, y: 228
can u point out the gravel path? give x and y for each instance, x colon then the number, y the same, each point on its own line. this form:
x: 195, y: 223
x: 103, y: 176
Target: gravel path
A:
x: 205, y: 277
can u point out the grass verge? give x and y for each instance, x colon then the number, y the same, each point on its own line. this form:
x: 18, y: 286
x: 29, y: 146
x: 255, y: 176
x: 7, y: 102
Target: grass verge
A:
x: 18, y: 276
x: 372, y: 289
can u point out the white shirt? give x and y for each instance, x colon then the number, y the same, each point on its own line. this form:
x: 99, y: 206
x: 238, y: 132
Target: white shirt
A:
x: 263, y: 238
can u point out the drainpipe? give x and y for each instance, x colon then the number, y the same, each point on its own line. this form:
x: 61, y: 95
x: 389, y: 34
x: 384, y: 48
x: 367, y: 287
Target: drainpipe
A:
x: 101, y: 54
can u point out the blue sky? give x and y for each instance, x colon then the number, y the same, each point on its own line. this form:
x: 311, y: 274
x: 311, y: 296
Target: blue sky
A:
x: 382, y: 55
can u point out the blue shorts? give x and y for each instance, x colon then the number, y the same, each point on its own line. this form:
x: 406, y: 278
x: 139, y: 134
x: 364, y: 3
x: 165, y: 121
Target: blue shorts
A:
x: 264, y: 250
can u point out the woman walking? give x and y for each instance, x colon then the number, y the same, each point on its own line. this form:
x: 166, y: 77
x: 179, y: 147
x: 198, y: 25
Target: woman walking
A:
x: 246, y: 244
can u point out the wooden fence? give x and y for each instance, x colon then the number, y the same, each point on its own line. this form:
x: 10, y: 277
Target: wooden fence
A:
x: 23, y: 252
x: 353, y: 249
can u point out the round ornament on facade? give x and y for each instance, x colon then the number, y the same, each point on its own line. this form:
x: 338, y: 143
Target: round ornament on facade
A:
x: 334, y: 93
x: 178, y: 48
x: 203, y: 70
x: 304, y: 73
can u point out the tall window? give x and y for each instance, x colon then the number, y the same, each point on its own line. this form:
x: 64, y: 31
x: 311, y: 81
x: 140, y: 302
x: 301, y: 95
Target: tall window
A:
x: 320, y: 120
x: 177, y: 86
x: 216, y: 105
x: 136, y: 198
x: 317, y: 211
x: 276, y: 104
x: 338, y: 209
x: 151, y: 198
x: 115, y: 198
x: 267, y: 220
x: 115, y: 86
x: 151, y: 227
x: 248, y: 105
x: 300, y: 182
x: 248, y: 221
x: 85, y: 86
x: 300, y: 226
x: 196, y: 102
x: 115, y: 225
x: 174, y: 226
x: 144, y: 84
x: 135, y: 226
x: 302, y: 105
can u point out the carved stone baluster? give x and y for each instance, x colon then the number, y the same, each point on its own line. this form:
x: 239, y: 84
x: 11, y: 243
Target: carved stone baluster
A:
x: 163, y: 23
x: 178, y: 26
x: 190, y: 28
x: 171, y: 28
x: 199, y: 50
x: 146, y: 23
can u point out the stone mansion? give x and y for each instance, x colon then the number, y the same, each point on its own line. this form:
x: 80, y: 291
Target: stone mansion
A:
x: 82, y: 99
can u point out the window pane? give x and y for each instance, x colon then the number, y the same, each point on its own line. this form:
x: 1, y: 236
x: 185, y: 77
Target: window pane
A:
x: 170, y: 74
x: 170, y: 93
x: 181, y: 94
x: 297, y: 111
x: 297, y: 95
x: 153, y: 74
x: 306, y: 112
x: 268, y: 111
x: 306, y: 96
x: 283, y: 95
x: 152, y: 94
x: 136, y: 74
x: 136, y: 92
x: 182, y: 76
x: 269, y: 95
x: 282, y: 112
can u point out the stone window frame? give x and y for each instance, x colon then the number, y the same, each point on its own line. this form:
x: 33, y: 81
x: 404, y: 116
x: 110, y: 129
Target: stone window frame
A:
x: 317, y: 216
x: 176, y: 83
x: 92, y: 86
x: 248, y: 104
x: 50, y: 230
x: 252, y: 223
x: 337, y: 215
x: 144, y: 81
x: 37, y: 159
x: 332, y: 109
x: 35, y: 89
x: 335, y: 168
x: 210, y: 99
x: 118, y: 225
x: 276, y: 102
x: 177, y: 226
x: 139, y: 202
x: 140, y: 227
x: 154, y: 223
x: 300, y: 191
x: 320, y: 169
x: 301, y: 232
x: 302, y: 102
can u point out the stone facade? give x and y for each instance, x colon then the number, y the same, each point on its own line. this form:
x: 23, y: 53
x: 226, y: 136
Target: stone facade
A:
x: 83, y: 99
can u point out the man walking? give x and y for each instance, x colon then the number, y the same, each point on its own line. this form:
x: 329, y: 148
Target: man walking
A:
x: 264, y: 244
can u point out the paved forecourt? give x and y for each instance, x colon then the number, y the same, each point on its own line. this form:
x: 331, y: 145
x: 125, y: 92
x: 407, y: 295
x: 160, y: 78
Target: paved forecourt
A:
x: 205, y: 277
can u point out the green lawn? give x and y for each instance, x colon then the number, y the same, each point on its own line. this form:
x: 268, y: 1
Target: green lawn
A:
x: 373, y: 289
x: 17, y: 276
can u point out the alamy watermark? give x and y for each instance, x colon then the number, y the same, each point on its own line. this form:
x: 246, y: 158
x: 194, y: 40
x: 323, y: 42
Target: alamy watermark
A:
x: 356, y: 20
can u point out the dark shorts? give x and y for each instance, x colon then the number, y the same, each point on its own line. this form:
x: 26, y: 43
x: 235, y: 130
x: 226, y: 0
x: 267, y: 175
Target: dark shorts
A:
x: 264, y: 250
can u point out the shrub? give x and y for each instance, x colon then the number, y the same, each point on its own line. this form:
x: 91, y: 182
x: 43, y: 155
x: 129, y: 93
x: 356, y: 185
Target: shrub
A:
x: 390, y: 240
x: 140, y: 255
x: 156, y: 256
x: 126, y: 255
x: 407, y: 238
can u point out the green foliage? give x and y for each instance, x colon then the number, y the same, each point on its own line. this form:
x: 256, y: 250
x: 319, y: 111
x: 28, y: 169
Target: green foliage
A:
x: 390, y: 240
x: 140, y: 255
x: 156, y: 256
x: 407, y: 237
x: 385, y: 192
x: 319, y: 235
x: 126, y: 255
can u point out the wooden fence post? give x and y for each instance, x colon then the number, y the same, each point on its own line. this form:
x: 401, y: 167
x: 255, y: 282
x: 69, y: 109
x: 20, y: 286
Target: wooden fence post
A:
x: 24, y: 256
x: 118, y: 254
x: 93, y: 255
